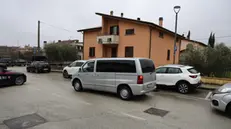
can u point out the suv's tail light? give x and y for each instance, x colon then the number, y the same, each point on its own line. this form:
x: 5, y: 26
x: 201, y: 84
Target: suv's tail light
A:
x: 140, y: 79
x: 193, y: 76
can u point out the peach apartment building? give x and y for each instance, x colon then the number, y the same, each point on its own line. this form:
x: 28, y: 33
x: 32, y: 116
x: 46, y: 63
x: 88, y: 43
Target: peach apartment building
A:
x: 124, y: 37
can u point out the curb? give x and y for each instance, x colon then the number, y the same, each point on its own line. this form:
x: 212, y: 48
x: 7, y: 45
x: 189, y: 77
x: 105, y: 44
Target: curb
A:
x: 207, y: 88
x: 57, y: 71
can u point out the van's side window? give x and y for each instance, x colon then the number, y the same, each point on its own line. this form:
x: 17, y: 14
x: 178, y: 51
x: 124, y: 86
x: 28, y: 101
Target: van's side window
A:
x: 89, y: 67
x: 120, y: 66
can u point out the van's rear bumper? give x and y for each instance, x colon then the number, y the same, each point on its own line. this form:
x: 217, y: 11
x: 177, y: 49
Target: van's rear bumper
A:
x: 140, y: 89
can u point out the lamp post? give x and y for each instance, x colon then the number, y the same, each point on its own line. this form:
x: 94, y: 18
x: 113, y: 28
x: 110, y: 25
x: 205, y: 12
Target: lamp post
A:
x: 176, y: 10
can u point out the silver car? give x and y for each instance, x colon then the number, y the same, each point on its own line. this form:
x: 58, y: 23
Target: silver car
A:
x: 124, y: 76
x: 221, y: 98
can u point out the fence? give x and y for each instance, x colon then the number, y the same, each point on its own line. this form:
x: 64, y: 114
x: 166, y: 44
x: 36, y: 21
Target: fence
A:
x: 59, y: 65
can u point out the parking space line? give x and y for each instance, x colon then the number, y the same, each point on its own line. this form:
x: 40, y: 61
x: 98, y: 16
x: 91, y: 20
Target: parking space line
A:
x: 132, y: 116
x: 208, y: 96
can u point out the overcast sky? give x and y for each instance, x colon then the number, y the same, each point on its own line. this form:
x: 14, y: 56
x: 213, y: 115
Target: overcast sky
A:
x: 18, y: 18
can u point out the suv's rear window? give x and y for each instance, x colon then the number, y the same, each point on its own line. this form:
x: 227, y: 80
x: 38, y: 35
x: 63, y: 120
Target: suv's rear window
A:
x: 192, y: 70
x: 147, y: 66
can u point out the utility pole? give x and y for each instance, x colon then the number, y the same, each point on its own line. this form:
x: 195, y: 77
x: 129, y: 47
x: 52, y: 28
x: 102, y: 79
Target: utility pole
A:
x: 38, y: 36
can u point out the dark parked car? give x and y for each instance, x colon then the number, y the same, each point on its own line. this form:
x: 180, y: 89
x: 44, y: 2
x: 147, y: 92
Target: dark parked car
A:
x: 20, y: 62
x: 7, y: 61
x: 38, y: 66
x: 8, y: 77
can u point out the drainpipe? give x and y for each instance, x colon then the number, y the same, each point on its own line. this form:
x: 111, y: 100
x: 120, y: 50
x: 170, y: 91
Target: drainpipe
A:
x: 83, y: 45
x: 150, y: 42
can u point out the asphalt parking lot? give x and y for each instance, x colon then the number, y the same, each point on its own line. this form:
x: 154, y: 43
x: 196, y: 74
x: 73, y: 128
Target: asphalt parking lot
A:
x: 53, y: 99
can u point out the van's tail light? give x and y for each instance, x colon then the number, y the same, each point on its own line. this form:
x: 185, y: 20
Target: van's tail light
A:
x: 140, y: 79
x: 193, y: 76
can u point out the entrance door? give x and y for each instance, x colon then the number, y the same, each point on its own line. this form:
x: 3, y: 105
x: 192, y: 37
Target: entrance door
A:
x: 114, y: 52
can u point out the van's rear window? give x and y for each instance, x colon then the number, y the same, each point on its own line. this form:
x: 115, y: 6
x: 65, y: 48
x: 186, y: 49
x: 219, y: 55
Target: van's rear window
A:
x: 147, y: 65
x: 192, y: 70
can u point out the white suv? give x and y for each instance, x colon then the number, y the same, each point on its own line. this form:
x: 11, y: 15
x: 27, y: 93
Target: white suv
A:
x: 184, y: 78
x: 73, y: 68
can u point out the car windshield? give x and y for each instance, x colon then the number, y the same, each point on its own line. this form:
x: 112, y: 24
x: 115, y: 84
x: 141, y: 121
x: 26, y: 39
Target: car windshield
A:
x: 78, y: 64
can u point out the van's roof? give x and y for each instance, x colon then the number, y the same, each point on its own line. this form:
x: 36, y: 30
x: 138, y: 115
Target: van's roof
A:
x: 119, y: 58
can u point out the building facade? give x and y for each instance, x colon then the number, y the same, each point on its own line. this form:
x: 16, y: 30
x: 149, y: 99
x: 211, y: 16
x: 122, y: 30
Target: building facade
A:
x: 124, y: 37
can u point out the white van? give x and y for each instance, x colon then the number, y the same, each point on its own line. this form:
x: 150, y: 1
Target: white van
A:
x: 124, y: 76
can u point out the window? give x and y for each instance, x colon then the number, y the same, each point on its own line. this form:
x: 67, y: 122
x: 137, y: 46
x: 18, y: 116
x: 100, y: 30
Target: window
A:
x: 78, y: 64
x: 168, y: 54
x: 147, y: 66
x: 192, y: 70
x: 174, y: 70
x: 128, y: 51
x: 72, y: 64
x: 161, y: 34
x: 89, y: 67
x: 130, y: 32
x: 114, y: 30
x: 92, y: 52
x: 121, y: 66
x: 161, y: 70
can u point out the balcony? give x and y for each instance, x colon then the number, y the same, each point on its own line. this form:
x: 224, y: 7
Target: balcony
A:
x: 108, y: 39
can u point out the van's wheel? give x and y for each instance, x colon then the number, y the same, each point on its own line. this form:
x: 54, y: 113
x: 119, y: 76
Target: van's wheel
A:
x: 228, y: 109
x: 125, y: 93
x: 19, y: 80
x: 65, y: 74
x: 183, y: 87
x: 77, y: 85
x: 28, y: 70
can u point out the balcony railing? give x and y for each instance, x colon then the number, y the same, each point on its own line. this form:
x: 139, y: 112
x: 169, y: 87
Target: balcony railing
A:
x: 108, y: 39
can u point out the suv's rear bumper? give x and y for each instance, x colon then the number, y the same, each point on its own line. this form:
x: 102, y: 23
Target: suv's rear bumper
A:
x: 196, y: 85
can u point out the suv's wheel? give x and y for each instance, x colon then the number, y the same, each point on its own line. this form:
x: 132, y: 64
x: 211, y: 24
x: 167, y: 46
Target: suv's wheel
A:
x: 228, y: 109
x: 183, y: 87
x: 65, y: 74
x: 77, y: 85
x: 19, y: 80
x: 125, y: 93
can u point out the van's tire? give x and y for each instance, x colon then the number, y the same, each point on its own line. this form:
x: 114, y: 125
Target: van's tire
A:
x: 228, y: 109
x: 77, y: 85
x: 125, y: 92
x: 183, y: 87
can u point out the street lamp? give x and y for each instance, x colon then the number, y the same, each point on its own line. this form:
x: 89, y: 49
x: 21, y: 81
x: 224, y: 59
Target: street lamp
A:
x: 176, y: 10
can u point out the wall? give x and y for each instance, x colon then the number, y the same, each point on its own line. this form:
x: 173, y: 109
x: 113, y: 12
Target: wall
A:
x: 184, y: 44
x: 139, y: 41
x: 90, y: 41
x: 160, y: 46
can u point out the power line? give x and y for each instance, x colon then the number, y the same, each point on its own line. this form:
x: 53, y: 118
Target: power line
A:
x: 57, y: 27
x: 218, y: 37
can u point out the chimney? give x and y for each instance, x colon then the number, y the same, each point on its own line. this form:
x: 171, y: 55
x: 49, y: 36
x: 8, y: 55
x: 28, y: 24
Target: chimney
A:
x: 111, y: 13
x: 161, y: 21
x: 122, y: 14
x: 138, y: 19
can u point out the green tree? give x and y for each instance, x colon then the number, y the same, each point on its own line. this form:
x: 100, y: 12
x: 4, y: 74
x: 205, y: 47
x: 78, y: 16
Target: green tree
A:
x: 60, y: 52
x: 189, y: 34
x: 211, y: 41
